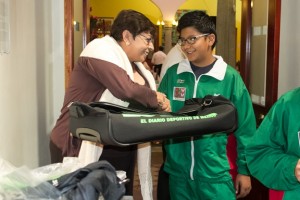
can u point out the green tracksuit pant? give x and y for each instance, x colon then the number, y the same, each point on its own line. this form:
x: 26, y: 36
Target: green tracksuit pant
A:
x: 187, y: 189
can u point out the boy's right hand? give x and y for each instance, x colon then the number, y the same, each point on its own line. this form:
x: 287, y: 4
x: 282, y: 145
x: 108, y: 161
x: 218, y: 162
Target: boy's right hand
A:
x: 163, y: 102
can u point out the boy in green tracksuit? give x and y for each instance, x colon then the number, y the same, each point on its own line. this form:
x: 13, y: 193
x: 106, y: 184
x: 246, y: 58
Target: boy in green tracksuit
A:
x: 198, y: 167
x: 273, y: 154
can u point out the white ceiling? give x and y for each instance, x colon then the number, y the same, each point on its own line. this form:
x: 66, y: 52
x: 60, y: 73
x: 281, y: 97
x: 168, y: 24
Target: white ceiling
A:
x: 168, y: 8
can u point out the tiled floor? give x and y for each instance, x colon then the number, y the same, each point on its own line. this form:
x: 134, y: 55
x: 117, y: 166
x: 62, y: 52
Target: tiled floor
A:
x: 156, y: 163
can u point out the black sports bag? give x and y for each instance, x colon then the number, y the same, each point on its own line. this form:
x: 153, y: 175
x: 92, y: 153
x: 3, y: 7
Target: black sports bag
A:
x: 115, y: 125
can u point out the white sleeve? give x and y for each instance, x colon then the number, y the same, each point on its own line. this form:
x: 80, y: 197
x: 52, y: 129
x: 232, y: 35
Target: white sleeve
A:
x: 174, y: 56
x: 144, y: 170
x: 153, y: 59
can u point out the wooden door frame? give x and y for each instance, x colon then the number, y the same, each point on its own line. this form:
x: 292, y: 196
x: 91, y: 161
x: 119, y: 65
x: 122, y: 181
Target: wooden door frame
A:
x: 69, y: 34
x: 272, y: 53
x: 69, y: 39
x: 259, y: 191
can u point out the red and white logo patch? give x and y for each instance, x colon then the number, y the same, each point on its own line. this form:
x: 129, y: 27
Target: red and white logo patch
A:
x: 179, y: 93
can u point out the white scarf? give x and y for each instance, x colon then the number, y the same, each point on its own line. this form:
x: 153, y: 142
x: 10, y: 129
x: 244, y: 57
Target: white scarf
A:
x: 108, y: 49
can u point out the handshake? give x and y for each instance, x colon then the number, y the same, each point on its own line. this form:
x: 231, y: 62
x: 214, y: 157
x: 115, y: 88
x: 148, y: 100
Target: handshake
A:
x: 163, y: 102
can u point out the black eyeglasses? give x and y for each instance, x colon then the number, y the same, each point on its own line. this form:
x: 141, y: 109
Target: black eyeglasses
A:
x: 147, y: 39
x: 190, y: 40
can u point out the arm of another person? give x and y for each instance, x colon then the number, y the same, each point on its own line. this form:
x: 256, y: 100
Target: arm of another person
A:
x: 153, y: 59
x: 174, y: 56
x: 267, y: 155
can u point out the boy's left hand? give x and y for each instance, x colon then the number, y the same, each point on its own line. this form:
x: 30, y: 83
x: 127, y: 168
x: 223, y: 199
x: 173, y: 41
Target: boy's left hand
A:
x: 242, y: 185
x: 297, y: 170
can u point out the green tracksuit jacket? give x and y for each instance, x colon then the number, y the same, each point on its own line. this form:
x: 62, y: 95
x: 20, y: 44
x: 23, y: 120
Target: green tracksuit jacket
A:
x: 204, y: 158
x: 275, y: 147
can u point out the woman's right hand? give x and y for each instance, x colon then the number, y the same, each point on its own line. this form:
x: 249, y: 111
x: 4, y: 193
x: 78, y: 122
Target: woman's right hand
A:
x: 163, y: 102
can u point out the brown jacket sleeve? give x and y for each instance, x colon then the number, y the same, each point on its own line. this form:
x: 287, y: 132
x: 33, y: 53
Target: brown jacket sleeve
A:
x: 116, y: 80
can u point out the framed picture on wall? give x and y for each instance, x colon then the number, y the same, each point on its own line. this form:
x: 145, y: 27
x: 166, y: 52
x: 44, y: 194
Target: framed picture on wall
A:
x: 100, y: 26
x: 4, y: 27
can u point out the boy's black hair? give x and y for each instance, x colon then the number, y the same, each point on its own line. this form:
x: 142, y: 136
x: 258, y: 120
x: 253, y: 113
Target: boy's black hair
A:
x: 200, y: 21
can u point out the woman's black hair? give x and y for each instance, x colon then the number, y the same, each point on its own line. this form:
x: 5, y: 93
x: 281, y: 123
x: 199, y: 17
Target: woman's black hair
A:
x: 133, y: 21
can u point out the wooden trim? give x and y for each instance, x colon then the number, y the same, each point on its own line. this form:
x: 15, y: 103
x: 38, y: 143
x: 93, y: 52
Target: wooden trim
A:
x: 86, y: 22
x: 69, y: 38
x: 246, y: 41
x: 273, y: 52
x: 69, y: 34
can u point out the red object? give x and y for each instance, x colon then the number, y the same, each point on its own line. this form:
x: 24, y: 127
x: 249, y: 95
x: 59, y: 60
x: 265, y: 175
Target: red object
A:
x: 275, y: 195
x: 231, y: 155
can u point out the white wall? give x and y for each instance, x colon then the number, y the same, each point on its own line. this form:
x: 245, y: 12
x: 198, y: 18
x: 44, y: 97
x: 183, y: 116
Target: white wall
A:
x: 289, y: 60
x: 31, y: 81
